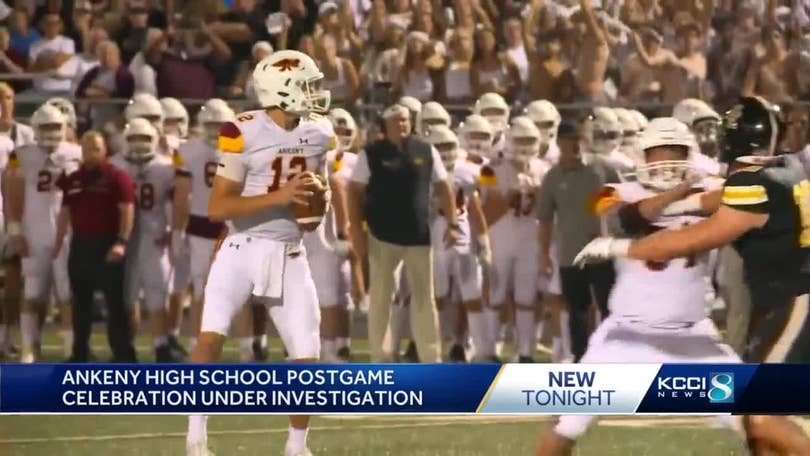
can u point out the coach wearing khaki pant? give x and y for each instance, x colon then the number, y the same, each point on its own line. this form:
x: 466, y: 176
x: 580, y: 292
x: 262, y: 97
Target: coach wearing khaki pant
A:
x: 390, y: 191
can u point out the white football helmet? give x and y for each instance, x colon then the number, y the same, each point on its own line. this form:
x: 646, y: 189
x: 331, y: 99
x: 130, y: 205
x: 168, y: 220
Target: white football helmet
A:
x: 476, y: 135
x: 413, y: 105
x: 212, y: 115
x: 692, y: 110
x: 547, y: 119
x: 49, y: 126
x: 289, y: 80
x: 492, y: 106
x: 641, y: 120
x: 446, y: 143
x: 142, y: 141
x: 145, y: 106
x: 605, y: 131
x: 630, y: 131
x: 524, y: 139
x: 67, y: 108
x: 432, y: 114
x: 175, y: 115
x: 345, y: 127
x: 666, y: 174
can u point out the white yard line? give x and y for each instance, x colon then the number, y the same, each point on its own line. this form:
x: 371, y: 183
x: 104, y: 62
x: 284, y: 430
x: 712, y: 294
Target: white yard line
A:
x: 404, y: 423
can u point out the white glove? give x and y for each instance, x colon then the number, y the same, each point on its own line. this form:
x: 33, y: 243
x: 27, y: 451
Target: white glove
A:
x: 688, y: 205
x: 179, y: 243
x: 484, y: 250
x: 602, y: 249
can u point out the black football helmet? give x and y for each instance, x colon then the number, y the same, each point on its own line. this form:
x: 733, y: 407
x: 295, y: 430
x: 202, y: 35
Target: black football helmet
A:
x: 752, y: 127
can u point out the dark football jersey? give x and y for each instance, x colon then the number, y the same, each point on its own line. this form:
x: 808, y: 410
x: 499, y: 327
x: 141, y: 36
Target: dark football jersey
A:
x: 777, y: 255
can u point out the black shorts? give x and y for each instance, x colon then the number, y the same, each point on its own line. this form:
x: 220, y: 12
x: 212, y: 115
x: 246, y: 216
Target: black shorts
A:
x: 779, y: 333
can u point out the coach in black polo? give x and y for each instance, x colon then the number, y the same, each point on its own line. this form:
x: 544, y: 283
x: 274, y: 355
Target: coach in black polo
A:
x: 390, y: 191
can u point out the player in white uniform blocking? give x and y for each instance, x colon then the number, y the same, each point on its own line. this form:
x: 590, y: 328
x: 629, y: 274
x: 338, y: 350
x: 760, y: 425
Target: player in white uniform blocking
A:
x: 33, y: 202
x: 148, y: 266
x: 194, y: 234
x: 458, y: 267
x: 329, y: 252
x: 657, y: 312
x: 272, y: 158
x: 510, y: 198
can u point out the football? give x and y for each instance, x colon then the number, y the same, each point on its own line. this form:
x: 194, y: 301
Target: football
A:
x: 311, y: 215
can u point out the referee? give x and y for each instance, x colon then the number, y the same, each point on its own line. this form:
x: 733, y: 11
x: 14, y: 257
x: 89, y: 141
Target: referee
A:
x: 390, y: 190
x: 98, y: 203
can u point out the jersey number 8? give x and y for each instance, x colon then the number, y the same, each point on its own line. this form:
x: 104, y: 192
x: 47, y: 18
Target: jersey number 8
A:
x: 146, y: 196
x: 44, y: 180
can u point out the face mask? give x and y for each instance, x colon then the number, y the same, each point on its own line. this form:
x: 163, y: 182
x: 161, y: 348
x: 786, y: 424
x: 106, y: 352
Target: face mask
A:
x: 498, y: 121
x: 139, y: 151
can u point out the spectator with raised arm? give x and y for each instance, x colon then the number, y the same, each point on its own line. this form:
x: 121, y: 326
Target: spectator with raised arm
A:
x: 415, y: 79
x: 592, y: 55
x: 48, y: 55
x: 340, y: 76
x: 550, y: 75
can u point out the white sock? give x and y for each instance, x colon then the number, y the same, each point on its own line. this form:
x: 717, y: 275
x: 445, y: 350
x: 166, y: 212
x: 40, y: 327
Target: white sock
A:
x: 492, y: 326
x: 557, y: 353
x: 262, y: 340
x: 29, y: 327
x: 526, y: 329
x: 176, y: 332
x: 67, y: 341
x: 541, y: 327
x: 296, y: 440
x: 478, y: 331
x: 344, y: 342
x: 565, y: 334
x: 192, y: 343
x: 328, y: 348
x: 197, y: 431
x: 161, y: 341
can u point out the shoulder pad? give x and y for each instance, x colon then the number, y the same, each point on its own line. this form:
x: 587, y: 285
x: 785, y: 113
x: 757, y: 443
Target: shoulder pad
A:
x: 13, y: 160
x: 745, y: 187
x: 177, y: 159
x: 230, y: 138
x: 487, y: 176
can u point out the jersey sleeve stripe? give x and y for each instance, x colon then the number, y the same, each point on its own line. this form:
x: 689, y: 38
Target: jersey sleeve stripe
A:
x: 487, y: 176
x: 13, y: 160
x: 230, y: 138
x: 744, y: 195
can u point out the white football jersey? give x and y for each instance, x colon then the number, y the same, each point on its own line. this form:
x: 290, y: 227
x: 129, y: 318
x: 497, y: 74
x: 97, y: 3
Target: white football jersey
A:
x: 200, y: 160
x: 6, y: 147
x: 521, y: 187
x: 465, y: 183
x: 343, y: 164
x: 42, y: 198
x: 154, y: 182
x: 271, y: 155
x: 659, y: 292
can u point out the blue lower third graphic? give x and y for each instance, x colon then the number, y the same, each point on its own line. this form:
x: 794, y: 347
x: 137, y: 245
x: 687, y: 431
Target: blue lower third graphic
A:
x: 721, y: 387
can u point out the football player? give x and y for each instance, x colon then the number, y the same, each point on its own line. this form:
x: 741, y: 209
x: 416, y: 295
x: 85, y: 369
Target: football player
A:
x: 510, y: 197
x: 148, y: 266
x: 33, y: 202
x: 175, y: 133
x: 69, y: 111
x: 494, y: 108
x: 270, y: 159
x: 475, y: 136
x: 191, y: 226
x: 459, y: 265
x: 432, y: 113
x: 630, y: 135
x: 704, y: 123
x: 329, y: 251
x: 605, y: 140
x: 676, y: 329
x: 547, y: 119
x: 764, y: 211
x: 6, y: 148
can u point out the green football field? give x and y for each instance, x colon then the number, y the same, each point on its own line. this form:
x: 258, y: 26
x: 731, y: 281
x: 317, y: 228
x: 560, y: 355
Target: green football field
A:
x: 347, y: 435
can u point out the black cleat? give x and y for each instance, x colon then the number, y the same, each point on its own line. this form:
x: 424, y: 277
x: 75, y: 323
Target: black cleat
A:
x: 457, y: 354
x: 525, y: 360
x: 344, y: 354
x: 165, y: 354
x: 259, y: 353
x: 411, y: 355
x: 177, y: 347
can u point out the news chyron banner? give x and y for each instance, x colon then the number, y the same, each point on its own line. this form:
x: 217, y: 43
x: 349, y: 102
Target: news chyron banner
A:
x: 542, y: 389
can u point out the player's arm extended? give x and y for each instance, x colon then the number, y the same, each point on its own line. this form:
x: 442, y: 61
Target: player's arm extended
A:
x: 724, y: 226
x: 447, y: 198
x: 14, y: 184
x: 180, y: 202
x: 652, y: 208
x: 340, y: 205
